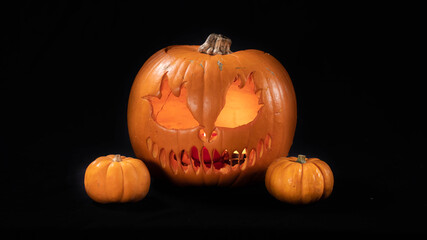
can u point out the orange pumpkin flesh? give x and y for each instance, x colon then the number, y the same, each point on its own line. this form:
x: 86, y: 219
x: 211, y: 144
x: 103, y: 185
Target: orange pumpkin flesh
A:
x: 299, y: 180
x: 116, y: 178
x: 204, y: 119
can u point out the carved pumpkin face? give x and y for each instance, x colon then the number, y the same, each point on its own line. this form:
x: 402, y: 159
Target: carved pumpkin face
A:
x: 211, y: 119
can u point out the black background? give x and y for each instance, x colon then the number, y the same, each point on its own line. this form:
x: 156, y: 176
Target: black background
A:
x: 68, y: 68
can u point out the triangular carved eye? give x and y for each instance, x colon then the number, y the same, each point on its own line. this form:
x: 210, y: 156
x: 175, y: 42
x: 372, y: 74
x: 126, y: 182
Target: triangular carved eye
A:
x: 171, y: 111
x: 241, y: 105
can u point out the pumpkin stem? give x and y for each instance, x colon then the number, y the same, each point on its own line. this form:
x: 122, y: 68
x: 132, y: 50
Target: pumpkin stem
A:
x: 117, y: 158
x: 301, y: 159
x: 216, y: 44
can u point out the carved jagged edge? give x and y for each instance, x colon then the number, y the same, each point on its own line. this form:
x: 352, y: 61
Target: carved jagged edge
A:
x: 158, y: 95
x: 154, y: 113
x: 250, y: 77
x: 243, y: 81
x: 164, y: 77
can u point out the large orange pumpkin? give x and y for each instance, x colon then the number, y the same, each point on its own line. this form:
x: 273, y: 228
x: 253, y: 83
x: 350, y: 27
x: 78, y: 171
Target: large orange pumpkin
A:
x: 203, y: 115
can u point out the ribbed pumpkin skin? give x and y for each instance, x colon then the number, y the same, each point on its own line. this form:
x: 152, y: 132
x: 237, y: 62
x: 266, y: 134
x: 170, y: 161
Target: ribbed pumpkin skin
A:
x: 299, y: 183
x: 207, y: 79
x: 107, y: 181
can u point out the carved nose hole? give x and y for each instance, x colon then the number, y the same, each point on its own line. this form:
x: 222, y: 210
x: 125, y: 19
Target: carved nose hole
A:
x: 203, y: 136
x: 213, y: 136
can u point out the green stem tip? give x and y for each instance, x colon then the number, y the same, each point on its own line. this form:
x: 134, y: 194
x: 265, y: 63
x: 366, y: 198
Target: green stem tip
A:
x: 117, y: 158
x: 301, y: 159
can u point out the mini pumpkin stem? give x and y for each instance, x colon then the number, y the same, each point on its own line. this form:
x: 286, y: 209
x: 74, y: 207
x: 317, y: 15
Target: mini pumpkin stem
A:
x: 117, y: 158
x: 301, y: 159
x: 216, y: 44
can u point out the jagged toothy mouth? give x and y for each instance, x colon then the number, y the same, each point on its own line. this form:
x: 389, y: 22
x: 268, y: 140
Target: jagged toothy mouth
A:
x: 217, y: 161
x: 209, y: 160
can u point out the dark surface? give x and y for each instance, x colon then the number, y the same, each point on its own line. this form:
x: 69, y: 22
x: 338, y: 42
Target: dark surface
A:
x: 69, y: 67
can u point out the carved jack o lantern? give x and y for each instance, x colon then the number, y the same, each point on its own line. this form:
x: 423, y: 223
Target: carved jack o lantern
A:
x: 203, y: 115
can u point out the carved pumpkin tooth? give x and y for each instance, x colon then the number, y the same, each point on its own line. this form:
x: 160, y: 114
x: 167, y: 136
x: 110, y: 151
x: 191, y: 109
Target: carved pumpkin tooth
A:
x: 194, y: 156
x: 185, y: 161
x: 149, y: 144
x: 243, y: 164
x: 215, y: 155
x: 218, y: 161
x: 225, y: 169
x: 242, y: 159
x: 173, y: 161
x: 234, y: 165
x: 234, y: 160
x: 260, y: 148
x: 244, y: 154
x: 162, y: 157
x: 155, y: 151
x: 252, y: 157
x: 267, y: 142
x: 235, y: 155
x: 206, y: 159
x: 226, y: 157
x: 195, y: 153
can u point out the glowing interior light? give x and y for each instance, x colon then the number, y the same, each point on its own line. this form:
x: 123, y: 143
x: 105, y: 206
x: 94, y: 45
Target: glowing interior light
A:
x: 170, y: 111
x: 241, y: 106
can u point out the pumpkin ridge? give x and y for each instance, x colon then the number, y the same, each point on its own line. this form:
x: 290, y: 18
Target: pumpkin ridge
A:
x: 105, y: 169
x: 270, y: 99
x: 279, y: 168
x: 152, y: 60
x: 188, y: 70
x: 311, y: 195
x: 122, y: 176
x: 240, y: 71
x: 324, y: 181
x: 177, y: 77
x: 137, y: 179
x: 106, y: 195
x: 160, y: 60
x: 323, y: 178
x: 277, y: 171
x: 301, y: 182
x: 314, y: 161
x: 170, y: 69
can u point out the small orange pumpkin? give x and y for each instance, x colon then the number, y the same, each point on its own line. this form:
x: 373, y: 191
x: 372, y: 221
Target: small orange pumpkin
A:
x: 299, y: 180
x: 115, y: 178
